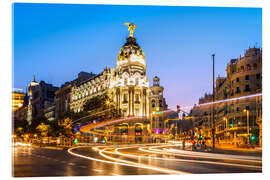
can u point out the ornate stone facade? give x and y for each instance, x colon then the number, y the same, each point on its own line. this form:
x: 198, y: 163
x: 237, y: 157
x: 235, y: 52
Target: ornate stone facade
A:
x: 128, y: 85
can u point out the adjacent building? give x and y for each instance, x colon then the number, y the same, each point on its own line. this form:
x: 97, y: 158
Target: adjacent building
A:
x: 237, y: 111
x: 41, y: 95
x: 63, y: 94
x: 18, y: 98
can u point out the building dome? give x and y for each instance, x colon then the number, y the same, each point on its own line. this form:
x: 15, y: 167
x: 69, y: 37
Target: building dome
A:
x: 33, y: 82
x: 155, y: 79
x: 130, y: 48
x: 131, y: 57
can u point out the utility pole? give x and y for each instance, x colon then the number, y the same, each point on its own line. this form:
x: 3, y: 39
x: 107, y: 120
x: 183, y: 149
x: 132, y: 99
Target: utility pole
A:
x: 213, y: 106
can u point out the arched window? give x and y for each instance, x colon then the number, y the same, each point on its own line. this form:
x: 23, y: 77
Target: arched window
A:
x: 137, y: 98
x: 160, y: 103
x: 153, y: 103
x: 125, y: 97
x: 248, y: 67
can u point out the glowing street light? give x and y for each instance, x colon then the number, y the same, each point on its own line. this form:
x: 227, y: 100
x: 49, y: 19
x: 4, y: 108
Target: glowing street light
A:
x: 247, y: 111
x: 107, y: 102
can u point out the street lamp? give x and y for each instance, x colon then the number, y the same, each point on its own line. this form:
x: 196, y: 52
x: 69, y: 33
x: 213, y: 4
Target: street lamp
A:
x: 247, y: 111
x: 213, y: 108
x: 107, y: 102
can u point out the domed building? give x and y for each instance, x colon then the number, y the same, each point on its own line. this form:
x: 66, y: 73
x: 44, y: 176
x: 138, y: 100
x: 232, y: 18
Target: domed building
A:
x: 128, y: 85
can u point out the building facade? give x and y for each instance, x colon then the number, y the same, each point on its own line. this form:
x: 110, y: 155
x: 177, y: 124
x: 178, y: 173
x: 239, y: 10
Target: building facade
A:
x: 127, y: 85
x: 157, y: 107
x: 238, y: 114
x: 41, y: 95
x: 17, y: 100
x: 63, y: 94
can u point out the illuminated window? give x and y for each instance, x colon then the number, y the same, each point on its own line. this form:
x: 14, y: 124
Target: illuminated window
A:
x: 137, y: 97
x: 125, y: 98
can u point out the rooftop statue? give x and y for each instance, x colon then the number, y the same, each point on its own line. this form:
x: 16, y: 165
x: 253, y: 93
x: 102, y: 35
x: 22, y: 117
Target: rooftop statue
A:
x: 131, y: 28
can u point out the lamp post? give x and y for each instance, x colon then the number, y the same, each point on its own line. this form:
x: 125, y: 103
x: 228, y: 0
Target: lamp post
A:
x: 247, y: 111
x: 213, y: 109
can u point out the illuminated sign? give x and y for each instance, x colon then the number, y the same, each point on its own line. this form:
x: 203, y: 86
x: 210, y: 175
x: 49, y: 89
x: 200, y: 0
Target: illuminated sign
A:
x: 158, y: 112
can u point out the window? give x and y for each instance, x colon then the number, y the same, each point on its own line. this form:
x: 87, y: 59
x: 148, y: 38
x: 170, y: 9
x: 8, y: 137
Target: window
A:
x: 137, y: 98
x: 247, y: 77
x: 125, y: 98
x: 242, y: 68
x: 258, y: 76
x: 237, y: 79
x: 247, y: 88
x: 255, y: 66
x: 160, y: 103
x: 153, y: 103
x: 237, y: 109
x: 237, y: 90
x: 248, y: 67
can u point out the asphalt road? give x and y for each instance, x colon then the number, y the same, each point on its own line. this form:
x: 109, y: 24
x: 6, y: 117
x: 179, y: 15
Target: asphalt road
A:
x: 126, y: 160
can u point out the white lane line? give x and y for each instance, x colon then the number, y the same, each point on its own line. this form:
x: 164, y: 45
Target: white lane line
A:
x: 185, y: 160
x: 105, y: 161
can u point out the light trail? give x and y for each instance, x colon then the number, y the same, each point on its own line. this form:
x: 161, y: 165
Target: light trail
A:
x: 91, y: 114
x: 200, y: 154
x: 126, y: 163
x: 218, y: 156
x: 222, y: 101
x: 184, y: 160
x: 168, y: 171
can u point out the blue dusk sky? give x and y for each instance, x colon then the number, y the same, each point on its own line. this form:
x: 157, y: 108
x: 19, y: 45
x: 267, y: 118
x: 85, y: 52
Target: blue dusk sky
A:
x: 57, y: 41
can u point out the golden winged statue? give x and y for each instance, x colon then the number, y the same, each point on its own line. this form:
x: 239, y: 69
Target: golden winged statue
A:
x: 131, y: 28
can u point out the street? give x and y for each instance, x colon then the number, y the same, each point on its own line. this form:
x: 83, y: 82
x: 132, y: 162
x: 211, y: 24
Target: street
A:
x: 126, y: 160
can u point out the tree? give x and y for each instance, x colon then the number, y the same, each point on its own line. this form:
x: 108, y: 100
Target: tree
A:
x: 66, y: 126
x: 43, y: 129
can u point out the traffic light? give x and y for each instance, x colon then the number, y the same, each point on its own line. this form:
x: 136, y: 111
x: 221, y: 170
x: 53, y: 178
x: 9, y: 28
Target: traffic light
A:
x: 231, y: 125
x: 75, y: 141
x: 252, y: 137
